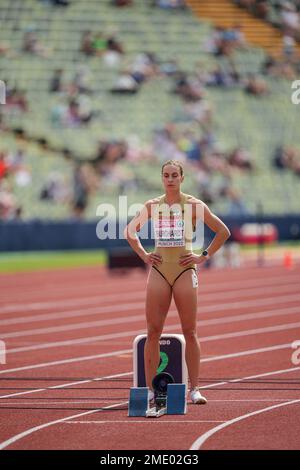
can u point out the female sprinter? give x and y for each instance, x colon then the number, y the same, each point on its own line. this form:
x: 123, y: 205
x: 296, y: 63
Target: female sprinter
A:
x: 173, y: 269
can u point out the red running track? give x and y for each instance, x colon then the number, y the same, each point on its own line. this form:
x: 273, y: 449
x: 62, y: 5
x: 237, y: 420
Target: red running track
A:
x: 69, y: 334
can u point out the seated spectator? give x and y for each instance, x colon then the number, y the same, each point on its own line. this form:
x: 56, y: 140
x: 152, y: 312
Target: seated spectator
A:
x: 287, y: 158
x: 125, y: 83
x: 32, y: 45
x: 238, y: 36
x: 114, y: 45
x: 85, y: 183
x: 256, y: 86
x: 223, y: 78
x: 213, y: 43
x: 55, y: 189
x: 8, y: 203
x: 240, y: 158
x: 4, y: 166
x: 280, y: 159
x: 172, y: 4
x: 290, y: 18
x: 99, y: 44
x: 114, y: 51
x: 86, y: 46
x: 82, y: 79
x: 121, y: 3
x: 57, y: 3
x: 56, y: 85
x: 259, y: 8
x: 16, y: 100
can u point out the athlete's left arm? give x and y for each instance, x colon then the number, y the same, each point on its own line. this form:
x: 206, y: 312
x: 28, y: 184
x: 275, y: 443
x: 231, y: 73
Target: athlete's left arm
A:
x: 200, y: 211
x: 222, y: 232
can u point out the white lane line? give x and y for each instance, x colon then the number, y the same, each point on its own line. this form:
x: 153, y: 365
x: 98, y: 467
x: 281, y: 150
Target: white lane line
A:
x: 237, y: 285
x: 250, y: 377
x: 256, y: 331
x: 44, y: 402
x: 66, y: 361
x: 133, y: 421
x: 124, y: 334
x: 197, y: 444
x: 19, y: 436
x: 248, y: 352
x: 69, y: 384
x: 117, y: 353
x: 23, y: 434
x: 133, y: 318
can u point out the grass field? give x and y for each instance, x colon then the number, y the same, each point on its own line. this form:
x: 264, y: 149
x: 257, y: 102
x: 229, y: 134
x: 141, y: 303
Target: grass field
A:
x: 33, y: 261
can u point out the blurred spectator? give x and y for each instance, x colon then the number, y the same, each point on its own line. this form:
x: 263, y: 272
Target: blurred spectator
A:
x: 99, y: 44
x: 4, y: 167
x: 290, y: 19
x: 121, y: 3
x: 114, y: 51
x: 240, y: 158
x: 16, y: 100
x: 56, y: 85
x: 213, y: 42
x: 125, y: 83
x: 259, y: 8
x: 8, y: 203
x: 173, y: 4
x: 86, y: 46
x: 114, y: 45
x: 32, y: 45
x: 84, y: 183
x: 222, y: 77
x: 55, y: 189
x: 57, y: 3
x: 287, y: 158
x: 82, y: 79
x: 256, y: 86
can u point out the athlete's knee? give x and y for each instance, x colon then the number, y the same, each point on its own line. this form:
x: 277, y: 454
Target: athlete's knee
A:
x: 190, y: 334
x: 154, y: 333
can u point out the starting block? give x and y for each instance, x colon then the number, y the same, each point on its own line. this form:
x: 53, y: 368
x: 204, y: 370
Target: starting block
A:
x: 169, y: 398
x: 138, y: 401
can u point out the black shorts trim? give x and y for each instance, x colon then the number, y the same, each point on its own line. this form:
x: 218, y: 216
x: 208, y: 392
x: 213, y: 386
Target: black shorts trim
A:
x: 171, y: 285
x: 182, y: 273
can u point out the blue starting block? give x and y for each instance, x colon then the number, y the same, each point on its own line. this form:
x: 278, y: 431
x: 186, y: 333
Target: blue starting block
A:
x: 174, y: 403
x: 176, y: 399
x: 138, y: 401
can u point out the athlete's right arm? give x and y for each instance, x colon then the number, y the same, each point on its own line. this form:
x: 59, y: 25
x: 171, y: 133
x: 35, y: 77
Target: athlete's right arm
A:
x: 134, y: 226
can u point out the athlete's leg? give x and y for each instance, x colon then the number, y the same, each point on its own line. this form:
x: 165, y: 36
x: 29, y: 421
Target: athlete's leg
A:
x: 185, y: 291
x: 158, y: 299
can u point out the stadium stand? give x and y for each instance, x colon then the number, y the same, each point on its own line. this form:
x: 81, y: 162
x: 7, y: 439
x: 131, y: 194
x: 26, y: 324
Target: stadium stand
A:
x: 99, y: 96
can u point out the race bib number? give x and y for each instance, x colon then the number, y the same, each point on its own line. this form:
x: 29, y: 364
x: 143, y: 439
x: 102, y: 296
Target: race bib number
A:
x: 169, y: 231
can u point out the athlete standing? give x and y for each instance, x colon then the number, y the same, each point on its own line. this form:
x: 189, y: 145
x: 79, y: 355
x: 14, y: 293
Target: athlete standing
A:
x: 173, y: 267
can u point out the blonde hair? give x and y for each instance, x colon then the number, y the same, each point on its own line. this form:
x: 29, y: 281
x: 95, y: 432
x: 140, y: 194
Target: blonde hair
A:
x: 175, y: 163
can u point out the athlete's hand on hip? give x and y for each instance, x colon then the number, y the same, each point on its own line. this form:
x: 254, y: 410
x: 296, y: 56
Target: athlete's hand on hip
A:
x: 154, y: 259
x: 191, y: 258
